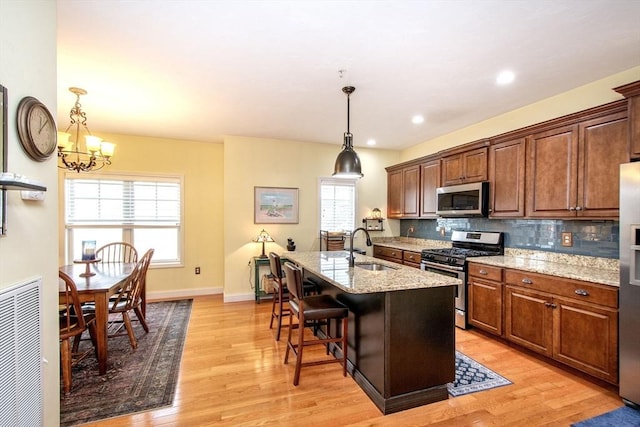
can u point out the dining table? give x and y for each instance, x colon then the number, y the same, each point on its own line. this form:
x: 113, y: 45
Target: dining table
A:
x: 105, y: 280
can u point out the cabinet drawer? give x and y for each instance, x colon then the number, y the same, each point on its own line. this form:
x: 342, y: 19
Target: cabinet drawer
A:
x: 383, y: 251
x: 411, y: 257
x: 575, y: 289
x: 485, y: 271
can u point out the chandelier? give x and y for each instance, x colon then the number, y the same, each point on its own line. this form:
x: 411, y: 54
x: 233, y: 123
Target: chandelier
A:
x: 95, y: 154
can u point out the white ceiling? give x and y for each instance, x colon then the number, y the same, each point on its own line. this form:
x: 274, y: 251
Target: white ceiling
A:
x: 198, y: 70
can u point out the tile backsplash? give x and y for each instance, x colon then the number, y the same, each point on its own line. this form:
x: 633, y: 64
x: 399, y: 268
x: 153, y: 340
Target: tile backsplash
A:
x: 592, y: 238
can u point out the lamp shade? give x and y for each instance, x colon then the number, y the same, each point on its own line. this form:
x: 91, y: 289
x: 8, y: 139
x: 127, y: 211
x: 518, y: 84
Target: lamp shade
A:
x: 347, y: 164
x: 263, y: 237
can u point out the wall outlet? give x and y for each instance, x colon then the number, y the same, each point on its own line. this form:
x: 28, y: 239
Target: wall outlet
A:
x: 197, y: 270
x: 567, y: 238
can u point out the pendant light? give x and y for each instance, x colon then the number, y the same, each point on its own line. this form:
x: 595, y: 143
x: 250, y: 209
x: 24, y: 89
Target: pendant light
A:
x: 348, y: 162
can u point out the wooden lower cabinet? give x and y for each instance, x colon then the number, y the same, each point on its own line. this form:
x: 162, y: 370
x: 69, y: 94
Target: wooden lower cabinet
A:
x: 387, y: 253
x: 583, y: 335
x: 586, y: 337
x: 570, y: 321
x: 412, y: 259
x: 485, y: 300
x: 529, y: 319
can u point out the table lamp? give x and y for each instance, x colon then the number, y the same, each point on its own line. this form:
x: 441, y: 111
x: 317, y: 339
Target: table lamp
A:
x: 262, y: 238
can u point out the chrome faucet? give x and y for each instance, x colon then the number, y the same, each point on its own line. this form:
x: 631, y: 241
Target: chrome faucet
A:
x: 352, y: 260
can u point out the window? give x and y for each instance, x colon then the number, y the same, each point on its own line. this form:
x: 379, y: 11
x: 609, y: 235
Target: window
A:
x: 337, y: 204
x: 145, y: 211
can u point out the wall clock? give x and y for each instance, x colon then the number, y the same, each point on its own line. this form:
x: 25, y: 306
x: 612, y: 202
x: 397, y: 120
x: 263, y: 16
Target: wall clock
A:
x: 36, y: 129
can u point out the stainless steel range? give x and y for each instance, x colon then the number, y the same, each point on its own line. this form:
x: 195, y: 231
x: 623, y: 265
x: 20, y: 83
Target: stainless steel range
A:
x: 453, y: 261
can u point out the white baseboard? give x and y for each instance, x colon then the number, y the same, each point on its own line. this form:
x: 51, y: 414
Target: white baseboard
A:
x: 182, y: 294
x: 239, y: 297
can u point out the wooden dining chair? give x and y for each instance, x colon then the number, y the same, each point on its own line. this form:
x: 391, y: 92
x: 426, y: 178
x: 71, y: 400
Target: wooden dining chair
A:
x: 73, y: 322
x: 117, y: 252
x: 129, y: 299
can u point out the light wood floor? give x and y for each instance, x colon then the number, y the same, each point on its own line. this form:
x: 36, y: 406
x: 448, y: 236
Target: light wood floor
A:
x: 232, y: 373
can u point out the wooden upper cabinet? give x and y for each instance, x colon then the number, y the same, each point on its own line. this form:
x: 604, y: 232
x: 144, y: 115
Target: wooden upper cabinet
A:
x: 430, y: 180
x: 465, y: 167
x: 573, y: 171
x: 507, y: 178
x: 403, y: 192
x: 552, y: 172
x: 631, y: 91
x: 603, y: 146
x: 634, y: 126
x: 411, y: 196
x: 394, y: 194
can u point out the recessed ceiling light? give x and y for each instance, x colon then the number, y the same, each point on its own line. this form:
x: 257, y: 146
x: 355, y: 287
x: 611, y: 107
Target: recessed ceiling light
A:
x: 505, y: 77
x: 371, y: 142
x: 417, y: 119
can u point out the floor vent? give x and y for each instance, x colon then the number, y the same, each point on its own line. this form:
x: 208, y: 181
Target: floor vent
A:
x: 21, y: 387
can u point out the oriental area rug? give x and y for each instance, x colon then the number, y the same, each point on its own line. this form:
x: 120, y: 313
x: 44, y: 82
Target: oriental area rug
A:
x: 136, y: 380
x: 472, y: 376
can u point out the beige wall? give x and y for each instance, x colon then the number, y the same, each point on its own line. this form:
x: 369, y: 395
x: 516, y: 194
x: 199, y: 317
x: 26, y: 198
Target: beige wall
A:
x: 591, y: 95
x: 253, y: 162
x: 201, y: 165
x: 28, y: 68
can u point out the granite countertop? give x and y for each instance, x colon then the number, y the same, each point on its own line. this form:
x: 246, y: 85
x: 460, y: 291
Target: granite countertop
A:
x: 589, y: 269
x: 333, y: 266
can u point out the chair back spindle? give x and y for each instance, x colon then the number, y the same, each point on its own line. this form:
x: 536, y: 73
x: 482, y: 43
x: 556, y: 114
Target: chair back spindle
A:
x: 117, y: 252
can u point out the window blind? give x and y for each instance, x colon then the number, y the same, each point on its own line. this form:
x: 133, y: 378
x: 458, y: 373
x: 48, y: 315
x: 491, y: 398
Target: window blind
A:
x: 337, y: 204
x: 122, y: 201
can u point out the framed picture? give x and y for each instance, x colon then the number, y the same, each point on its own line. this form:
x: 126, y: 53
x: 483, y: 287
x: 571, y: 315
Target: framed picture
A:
x: 275, y: 205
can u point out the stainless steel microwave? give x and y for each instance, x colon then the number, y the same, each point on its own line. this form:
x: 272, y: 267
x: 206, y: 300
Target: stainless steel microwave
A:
x: 465, y: 200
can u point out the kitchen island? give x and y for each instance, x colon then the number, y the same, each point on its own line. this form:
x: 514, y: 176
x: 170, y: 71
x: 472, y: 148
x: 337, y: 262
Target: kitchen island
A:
x: 401, y: 326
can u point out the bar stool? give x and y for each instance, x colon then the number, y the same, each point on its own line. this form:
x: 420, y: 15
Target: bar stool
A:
x: 311, y: 309
x: 280, y: 293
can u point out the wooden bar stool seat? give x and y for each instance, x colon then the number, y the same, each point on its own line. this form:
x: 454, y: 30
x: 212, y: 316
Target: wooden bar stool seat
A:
x: 310, y: 310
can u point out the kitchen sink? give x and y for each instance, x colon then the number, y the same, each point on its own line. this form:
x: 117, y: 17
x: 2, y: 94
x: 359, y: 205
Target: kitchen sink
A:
x: 373, y: 266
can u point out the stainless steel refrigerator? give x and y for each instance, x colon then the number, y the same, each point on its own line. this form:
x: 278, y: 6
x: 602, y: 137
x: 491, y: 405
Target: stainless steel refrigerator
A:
x: 629, y: 296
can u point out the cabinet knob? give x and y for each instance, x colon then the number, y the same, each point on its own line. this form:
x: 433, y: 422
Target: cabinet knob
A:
x: 527, y: 281
x: 578, y: 208
x: 550, y: 305
x: 582, y: 292
x: 571, y: 208
x: 483, y: 272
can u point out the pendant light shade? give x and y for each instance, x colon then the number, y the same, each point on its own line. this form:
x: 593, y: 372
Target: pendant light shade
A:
x: 348, y: 163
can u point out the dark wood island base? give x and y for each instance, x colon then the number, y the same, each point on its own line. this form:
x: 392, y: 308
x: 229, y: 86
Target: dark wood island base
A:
x: 401, y: 343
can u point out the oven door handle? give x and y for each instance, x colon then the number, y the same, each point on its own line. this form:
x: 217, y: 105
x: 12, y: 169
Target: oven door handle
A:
x: 443, y: 266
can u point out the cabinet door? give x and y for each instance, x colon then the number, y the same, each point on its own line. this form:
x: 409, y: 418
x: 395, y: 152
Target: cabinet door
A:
x: 634, y: 126
x: 529, y: 319
x: 394, y: 194
x: 485, y: 305
x: 411, y: 196
x: 475, y: 165
x: 552, y: 173
x: 507, y: 177
x: 430, y: 180
x: 452, y: 172
x: 586, y: 337
x: 603, y: 146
